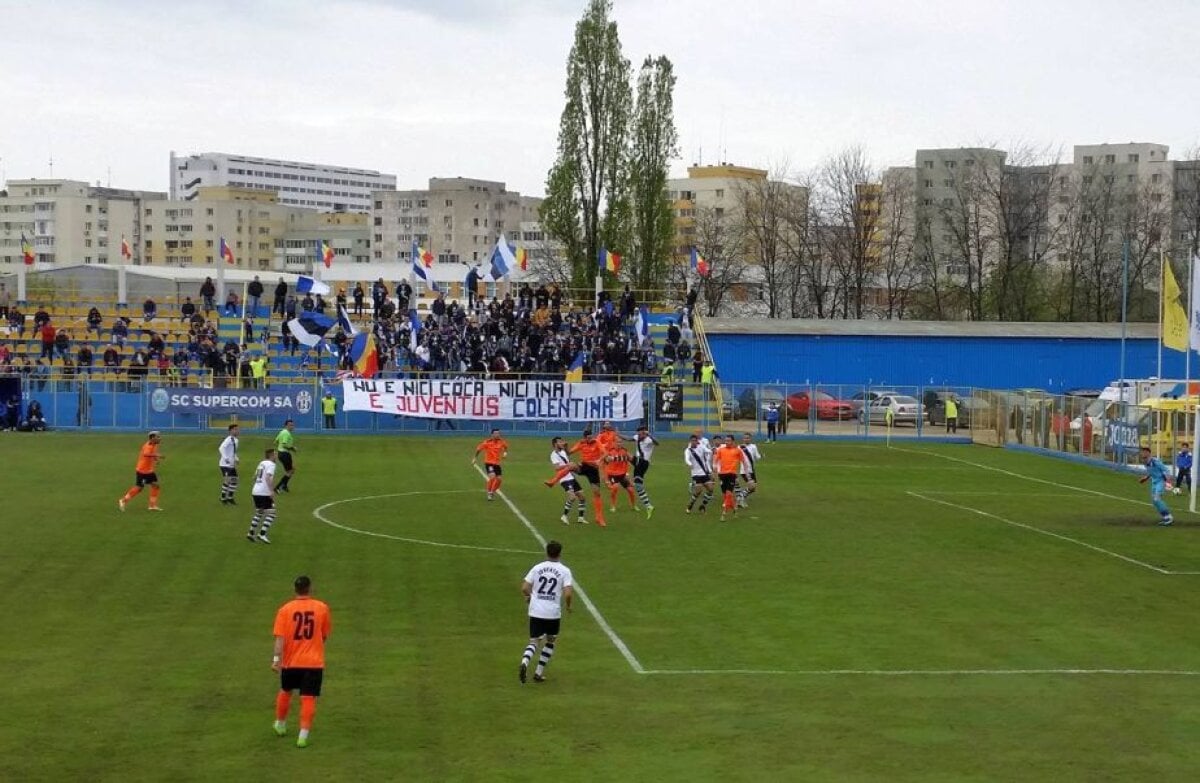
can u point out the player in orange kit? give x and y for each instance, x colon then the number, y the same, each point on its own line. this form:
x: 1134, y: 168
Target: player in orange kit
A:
x: 591, y: 455
x: 727, y: 459
x: 145, y: 472
x: 494, y: 449
x: 616, y: 470
x: 301, y: 627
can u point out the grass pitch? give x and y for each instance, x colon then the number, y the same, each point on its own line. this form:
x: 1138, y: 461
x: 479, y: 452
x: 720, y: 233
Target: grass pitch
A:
x: 902, y: 614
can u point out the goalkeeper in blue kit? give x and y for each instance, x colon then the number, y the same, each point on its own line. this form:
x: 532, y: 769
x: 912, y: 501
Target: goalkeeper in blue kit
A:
x: 1157, y: 475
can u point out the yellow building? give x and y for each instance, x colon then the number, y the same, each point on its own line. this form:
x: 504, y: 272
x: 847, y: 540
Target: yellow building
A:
x: 706, y: 188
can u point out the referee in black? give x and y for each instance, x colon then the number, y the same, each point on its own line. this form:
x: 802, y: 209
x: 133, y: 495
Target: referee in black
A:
x: 285, y: 444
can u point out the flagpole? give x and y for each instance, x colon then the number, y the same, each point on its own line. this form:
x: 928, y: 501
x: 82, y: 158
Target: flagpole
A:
x: 1161, y: 306
x: 1124, y: 313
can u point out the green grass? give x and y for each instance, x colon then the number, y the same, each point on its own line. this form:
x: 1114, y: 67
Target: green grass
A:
x: 137, y: 646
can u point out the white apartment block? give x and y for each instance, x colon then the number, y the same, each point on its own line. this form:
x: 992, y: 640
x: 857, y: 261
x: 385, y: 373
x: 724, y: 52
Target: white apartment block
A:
x: 70, y: 222
x: 307, y: 185
x: 456, y: 219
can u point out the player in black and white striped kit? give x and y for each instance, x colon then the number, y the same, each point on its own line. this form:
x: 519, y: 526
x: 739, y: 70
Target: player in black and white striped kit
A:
x: 644, y: 444
x: 263, y: 493
x: 750, y: 457
x: 547, y: 587
x: 228, y: 464
x: 561, y: 458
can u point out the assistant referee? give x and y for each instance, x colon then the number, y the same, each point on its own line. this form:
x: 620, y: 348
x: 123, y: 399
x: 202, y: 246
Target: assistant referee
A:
x: 285, y: 444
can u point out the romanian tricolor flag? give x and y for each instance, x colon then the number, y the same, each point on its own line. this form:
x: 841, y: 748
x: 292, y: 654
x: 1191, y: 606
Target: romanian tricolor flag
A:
x: 226, y: 252
x: 364, y: 355
x: 26, y: 250
x: 126, y: 250
x: 522, y: 259
x: 609, y: 262
x: 699, y: 264
x: 326, y: 253
x: 421, y: 256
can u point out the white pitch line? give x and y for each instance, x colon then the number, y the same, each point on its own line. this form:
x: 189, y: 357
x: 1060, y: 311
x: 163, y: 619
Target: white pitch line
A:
x: 616, y: 640
x: 321, y: 517
x: 965, y: 493
x: 1033, y: 529
x: 1017, y: 475
x: 928, y: 672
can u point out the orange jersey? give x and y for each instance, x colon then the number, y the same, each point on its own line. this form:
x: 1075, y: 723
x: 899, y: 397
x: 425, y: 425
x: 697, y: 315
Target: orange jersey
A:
x: 728, y: 459
x: 617, y: 462
x: 147, y: 458
x: 304, y: 624
x: 493, y: 450
x: 608, y: 439
x: 590, y: 450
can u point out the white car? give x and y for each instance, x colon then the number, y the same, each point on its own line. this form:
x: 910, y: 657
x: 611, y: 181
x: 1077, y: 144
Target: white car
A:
x: 905, y: 410
x: 864, y: 398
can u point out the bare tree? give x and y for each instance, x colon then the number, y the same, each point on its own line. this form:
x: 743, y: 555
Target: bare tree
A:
x: 716, y: 239
x: 763, y: 207
x: 897, y: 241
x: 848, y: 206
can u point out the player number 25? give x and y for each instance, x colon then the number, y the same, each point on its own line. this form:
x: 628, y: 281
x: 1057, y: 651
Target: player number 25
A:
x: 304, y: 625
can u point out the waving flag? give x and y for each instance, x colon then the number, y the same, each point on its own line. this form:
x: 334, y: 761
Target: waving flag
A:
x: 326, y: 253
x: 642, y: 323
x: 26, y: 250
x: 609, y: 262
x: 421, y: 256
x: 575, y: 371
x: 309, y: 327
x: 1174, y: 315
x: 699, y: 264
x: 522, y: 259
x: 126, y: 250
x: 226, y: 252
x: 503, y: 260
x: 414, y: 324
x: 364, y: 355
x: 345, y: 322
x: 311, y: 285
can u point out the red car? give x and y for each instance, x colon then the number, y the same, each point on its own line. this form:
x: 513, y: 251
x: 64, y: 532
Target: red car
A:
x: 828, y: 407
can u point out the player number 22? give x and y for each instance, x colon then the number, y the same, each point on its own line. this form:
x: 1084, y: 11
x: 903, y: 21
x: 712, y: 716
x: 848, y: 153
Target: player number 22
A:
x: 304, y: 625
x: 546, y: 587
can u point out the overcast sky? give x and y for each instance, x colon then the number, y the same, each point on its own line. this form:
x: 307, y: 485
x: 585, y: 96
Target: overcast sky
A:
x: 424, y: 88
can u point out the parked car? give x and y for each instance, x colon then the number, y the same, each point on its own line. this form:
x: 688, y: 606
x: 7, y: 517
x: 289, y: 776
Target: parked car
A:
x: 799, y: 405
x: 905, y: 410
x: 863, y: 398
x: 969, y: 409
x: 751, y: 407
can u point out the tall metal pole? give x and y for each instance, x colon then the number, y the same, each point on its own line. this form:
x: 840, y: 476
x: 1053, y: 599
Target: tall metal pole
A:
x: 1162, y: 306
x: 1124, y: 312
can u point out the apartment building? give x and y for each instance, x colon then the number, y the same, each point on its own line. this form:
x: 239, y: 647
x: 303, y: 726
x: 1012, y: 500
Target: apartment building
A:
x: 70, y: 222
x: 314, y: 186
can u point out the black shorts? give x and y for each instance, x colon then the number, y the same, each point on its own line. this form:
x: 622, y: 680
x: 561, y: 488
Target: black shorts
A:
x: 705, y: 479
x: 142, y: 479
x: 591, y: 473
x: 640, y: 468
x: 229, y: 472
x: 728, y: 481
x: 285, y: 459
x: 263, y: 501
x: 540, y: 626
x: 307, y: 681
x: 492, y: 469
x: 571, y: 485
x: 622, y: 480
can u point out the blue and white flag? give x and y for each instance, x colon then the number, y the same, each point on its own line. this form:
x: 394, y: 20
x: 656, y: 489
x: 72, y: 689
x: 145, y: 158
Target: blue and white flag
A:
x: 642, y: 323
x: 345, y: 322
x: 311, y: 285
x: 503, y: 260
x: 414, y: 323
x: 309, y: 327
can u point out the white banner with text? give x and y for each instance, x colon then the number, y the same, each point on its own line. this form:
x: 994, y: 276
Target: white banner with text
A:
x: 495, y: 400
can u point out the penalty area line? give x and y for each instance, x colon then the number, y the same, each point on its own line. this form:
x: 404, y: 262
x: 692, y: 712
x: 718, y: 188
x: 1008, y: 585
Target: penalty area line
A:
x: 928, y: 672
x: 1049, y: 533
x: 616, y: 640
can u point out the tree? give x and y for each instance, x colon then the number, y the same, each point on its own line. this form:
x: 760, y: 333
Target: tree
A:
x: 585, y: 208
x: 764, y: 207
x: 717, y: 240
x: 897, y: 267
x: 849, y: 214
x: 653, y: 145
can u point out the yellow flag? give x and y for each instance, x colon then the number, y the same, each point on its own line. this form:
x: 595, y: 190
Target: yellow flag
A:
x: 1174, y: 317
